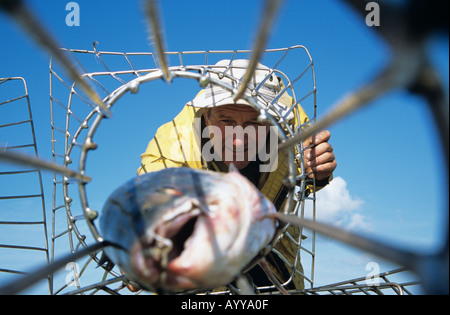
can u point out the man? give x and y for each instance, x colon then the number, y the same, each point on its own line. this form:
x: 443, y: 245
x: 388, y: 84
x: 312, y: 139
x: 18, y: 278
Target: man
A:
x: 214, y: 131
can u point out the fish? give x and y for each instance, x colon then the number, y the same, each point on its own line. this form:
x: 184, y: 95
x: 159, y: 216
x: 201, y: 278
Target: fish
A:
x: 182, y: 229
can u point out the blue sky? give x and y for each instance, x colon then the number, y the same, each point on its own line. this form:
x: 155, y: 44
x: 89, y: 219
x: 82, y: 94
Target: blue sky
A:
x: 389, y: 180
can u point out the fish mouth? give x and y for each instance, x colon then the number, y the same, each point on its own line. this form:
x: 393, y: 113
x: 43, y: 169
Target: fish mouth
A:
x: 178, y: 231
x: 151, y: 259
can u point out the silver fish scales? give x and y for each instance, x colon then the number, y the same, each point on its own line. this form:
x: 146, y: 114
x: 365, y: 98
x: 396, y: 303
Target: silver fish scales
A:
x: 183, y: 229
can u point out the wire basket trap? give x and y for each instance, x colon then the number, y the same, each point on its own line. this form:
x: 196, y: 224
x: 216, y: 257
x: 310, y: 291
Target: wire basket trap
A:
x: 75, y: 121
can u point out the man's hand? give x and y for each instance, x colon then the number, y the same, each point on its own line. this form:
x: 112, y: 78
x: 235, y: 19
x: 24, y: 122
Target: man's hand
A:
x: 320, y: 157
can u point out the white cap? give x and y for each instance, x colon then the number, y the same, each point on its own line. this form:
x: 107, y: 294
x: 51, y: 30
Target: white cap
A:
x: 214, y: 95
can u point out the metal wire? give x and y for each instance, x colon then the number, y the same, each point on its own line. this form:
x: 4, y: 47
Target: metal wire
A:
x: 17, y: 286
x: 153, y: 19
x: 271, y: 8
x: 381, y: 284
x: 27, y: 160
x: 20, y: 12
x: 21, y: 104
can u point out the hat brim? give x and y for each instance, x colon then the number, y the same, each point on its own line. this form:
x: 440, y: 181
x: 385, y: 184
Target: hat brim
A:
x: 215, y: 96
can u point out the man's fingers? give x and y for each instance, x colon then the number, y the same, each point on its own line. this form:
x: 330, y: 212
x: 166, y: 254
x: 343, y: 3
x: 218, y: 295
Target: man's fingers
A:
x: 318, y: 150
x: 321, y: 137
x: 323, y: 158
x: 319, y: 157
x: 322, y: 171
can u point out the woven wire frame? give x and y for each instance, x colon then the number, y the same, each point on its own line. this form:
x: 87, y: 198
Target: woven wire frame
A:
x: 385, y: 283
x: 75, y: 120
x: 22, y: 203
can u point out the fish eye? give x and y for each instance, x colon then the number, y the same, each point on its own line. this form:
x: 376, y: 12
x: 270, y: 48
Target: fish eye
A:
x: 170, y: 191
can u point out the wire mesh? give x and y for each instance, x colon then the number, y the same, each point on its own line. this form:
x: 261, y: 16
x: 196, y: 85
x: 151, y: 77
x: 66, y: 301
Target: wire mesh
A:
x: 381, y: 284
x: 23, y: 223
x: 75, y: 121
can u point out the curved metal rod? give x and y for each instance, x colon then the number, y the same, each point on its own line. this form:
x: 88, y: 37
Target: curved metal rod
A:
x: 270, y: 12
x: 400, y: 256
x: 17, y: 286
x: 431, y: 268
x: 22, y: 159
x: 349, y: 289
x: 413, y: 20
x: 400, y: 73
x: 18, y: 10
x: 151, y: 10
x: 98, y: 285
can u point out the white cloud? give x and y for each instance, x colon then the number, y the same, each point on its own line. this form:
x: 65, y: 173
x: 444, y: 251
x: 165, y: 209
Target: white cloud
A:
x: 335, y: 205
x: 358, y: 222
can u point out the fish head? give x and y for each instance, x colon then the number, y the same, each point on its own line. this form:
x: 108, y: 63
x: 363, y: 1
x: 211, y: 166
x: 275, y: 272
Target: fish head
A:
x: 202, y: 234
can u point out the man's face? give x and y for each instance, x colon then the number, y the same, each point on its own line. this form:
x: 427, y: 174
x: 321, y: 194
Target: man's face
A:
x: 233, y: 145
